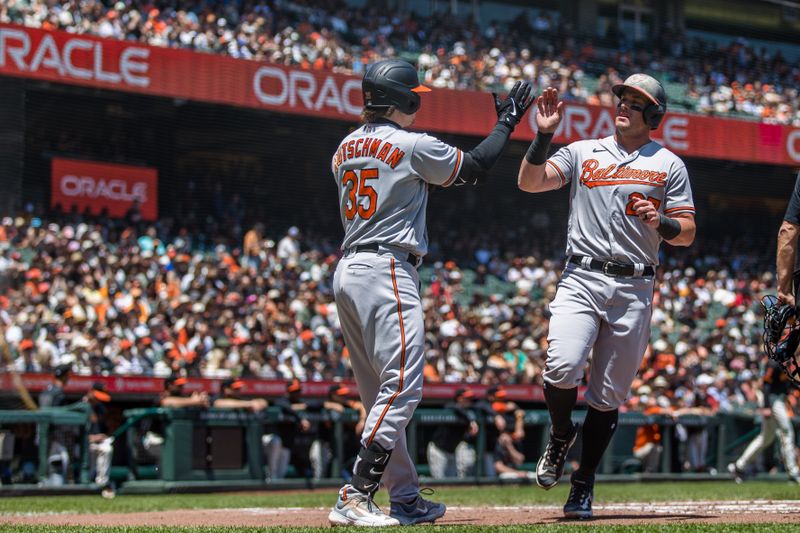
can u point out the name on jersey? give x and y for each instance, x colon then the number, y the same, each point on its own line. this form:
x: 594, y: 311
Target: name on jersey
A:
x: 594, y: 176
x: 368, y: 147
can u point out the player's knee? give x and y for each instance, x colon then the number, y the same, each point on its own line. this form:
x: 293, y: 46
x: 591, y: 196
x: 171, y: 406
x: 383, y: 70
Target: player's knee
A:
x: 562, y: 377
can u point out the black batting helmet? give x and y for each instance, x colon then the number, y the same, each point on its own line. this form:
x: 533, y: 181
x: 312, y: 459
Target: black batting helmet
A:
x: 652, y: 89
x: 392, y: 82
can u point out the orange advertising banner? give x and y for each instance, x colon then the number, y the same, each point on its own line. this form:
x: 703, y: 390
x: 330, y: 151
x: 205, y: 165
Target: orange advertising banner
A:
x: 103, y: 186
x: 127, y: 66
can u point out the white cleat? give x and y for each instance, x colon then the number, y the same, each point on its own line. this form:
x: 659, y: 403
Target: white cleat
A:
x: 356, y: 509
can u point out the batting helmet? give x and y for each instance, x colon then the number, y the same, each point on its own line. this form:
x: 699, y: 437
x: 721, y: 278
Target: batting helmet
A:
x: 652, y: 89
x: 392, y: 82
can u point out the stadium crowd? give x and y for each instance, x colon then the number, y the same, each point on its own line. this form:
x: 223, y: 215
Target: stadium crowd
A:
x: 110, y: 299
x: 450, y: 51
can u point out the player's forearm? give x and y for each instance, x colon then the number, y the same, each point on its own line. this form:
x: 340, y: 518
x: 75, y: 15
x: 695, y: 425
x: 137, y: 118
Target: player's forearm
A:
x: 480, y: 160
x: 182, y: 402
x: 532, y: 178
x: 229, y: 403
x: 687, y: 234
x: 787, y: 251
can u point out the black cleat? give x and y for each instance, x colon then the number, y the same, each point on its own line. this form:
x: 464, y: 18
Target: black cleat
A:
x: 579, y: 502
x: 738, y: 475
x: 550, y: 467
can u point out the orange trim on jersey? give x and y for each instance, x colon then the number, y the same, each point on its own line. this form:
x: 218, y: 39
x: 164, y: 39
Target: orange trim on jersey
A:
x: 680, y: 208
x: 455, y: 170
x: 592, y: 184
x: 402, y: 357
x: 561, y: 175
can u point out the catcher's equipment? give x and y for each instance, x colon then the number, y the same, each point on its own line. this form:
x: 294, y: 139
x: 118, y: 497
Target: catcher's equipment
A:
x: 652, y: 89
x: 511, y: 110
x: 782, y: 335
x: 392, y: 82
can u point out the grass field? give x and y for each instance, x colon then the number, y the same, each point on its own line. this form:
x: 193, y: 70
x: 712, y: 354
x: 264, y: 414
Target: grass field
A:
x: 453, y: 496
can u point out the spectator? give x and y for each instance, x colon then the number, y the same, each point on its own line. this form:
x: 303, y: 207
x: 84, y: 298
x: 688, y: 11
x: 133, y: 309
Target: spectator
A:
x: 289, y: 246
x: 648, y: 446
x: 451, y: 451
x: 511, y: 426
x: 338, y: 402
x: 297, y: 431
x: 173, y: 397
x: 101, y: 444
x: 54, y: 396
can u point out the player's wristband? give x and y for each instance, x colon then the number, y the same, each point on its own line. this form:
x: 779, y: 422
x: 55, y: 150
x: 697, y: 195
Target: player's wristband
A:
x: 537, y: 152
x: 669, y: 228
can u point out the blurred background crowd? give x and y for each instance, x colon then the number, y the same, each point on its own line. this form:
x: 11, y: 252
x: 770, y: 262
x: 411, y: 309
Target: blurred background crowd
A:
x: 112, y: 298
x: 707, y: 74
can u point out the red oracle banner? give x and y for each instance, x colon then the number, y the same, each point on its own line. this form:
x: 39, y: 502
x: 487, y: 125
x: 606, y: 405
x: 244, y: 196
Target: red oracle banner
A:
x: 98, y: 186
x: 125, y: 66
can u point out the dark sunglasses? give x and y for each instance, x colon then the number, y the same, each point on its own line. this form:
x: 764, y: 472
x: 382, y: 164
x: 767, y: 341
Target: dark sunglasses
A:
x: 634, y: 106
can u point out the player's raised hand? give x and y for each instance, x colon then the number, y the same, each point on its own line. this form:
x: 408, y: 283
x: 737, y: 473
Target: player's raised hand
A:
x: 511, y: 110
x: 550, y: 111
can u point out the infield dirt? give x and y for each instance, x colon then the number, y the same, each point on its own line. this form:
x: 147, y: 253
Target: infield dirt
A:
x: 708, y: 512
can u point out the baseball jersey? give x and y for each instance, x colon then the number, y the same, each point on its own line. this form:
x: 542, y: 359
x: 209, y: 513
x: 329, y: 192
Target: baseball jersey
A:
x: 383, y: 172
x: 605, y: 183
x: 793, y: 209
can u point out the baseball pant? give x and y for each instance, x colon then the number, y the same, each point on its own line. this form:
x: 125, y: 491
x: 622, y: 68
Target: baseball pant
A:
x: 460, y: 463
x: 100, y: 453
x: 606, y: 317
x: 277, y: 457
x: 780, y: 424
x: 380, y: 311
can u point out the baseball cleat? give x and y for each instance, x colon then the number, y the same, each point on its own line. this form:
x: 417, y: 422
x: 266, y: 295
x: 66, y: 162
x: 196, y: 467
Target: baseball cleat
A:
x: 418, y: 511
x: 356, y: 509
x: 550, y: 467
x: 738, y: 475
x: 579, y: 501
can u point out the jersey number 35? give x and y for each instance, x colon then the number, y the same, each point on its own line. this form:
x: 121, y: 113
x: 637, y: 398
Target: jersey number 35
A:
x: 359, y: 193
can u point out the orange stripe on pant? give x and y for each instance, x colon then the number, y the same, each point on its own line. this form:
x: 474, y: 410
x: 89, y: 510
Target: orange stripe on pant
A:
x: 402, y: 358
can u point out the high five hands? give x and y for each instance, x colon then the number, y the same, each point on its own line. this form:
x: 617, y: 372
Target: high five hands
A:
x: 511, y: 109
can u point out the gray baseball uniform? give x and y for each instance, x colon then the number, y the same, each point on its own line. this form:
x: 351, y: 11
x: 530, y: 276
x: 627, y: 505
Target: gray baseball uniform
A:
x: 594, y: 312
x: 383, y: 174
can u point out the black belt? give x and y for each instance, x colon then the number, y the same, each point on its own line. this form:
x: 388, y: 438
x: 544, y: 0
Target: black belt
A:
x: 375, y: 247
x: 610, y: 268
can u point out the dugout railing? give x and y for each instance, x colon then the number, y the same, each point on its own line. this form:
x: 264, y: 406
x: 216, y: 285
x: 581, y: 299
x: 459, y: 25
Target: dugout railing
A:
x: 216, y: 448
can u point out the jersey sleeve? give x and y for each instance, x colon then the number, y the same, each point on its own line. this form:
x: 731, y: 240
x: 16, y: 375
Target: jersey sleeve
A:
x: 436, y: 162
x: 563, y: 162
x: 678, y: 197
x: 793, y: 210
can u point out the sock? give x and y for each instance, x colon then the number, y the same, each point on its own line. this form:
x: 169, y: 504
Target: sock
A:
x: 560, y: 403
x: 598, y: 429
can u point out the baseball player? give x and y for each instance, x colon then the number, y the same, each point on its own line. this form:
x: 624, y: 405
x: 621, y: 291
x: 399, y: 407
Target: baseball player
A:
x: 776, y: 381
x: 787, y: 246
x: 775, y: 420
x: 627, y: 194
x: 384, y: 174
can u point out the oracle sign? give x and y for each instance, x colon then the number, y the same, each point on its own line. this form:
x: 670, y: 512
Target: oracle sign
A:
x: 85, y: 60
x: 73, y: 57
x: 277, y: 87
x: 99, y: 186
